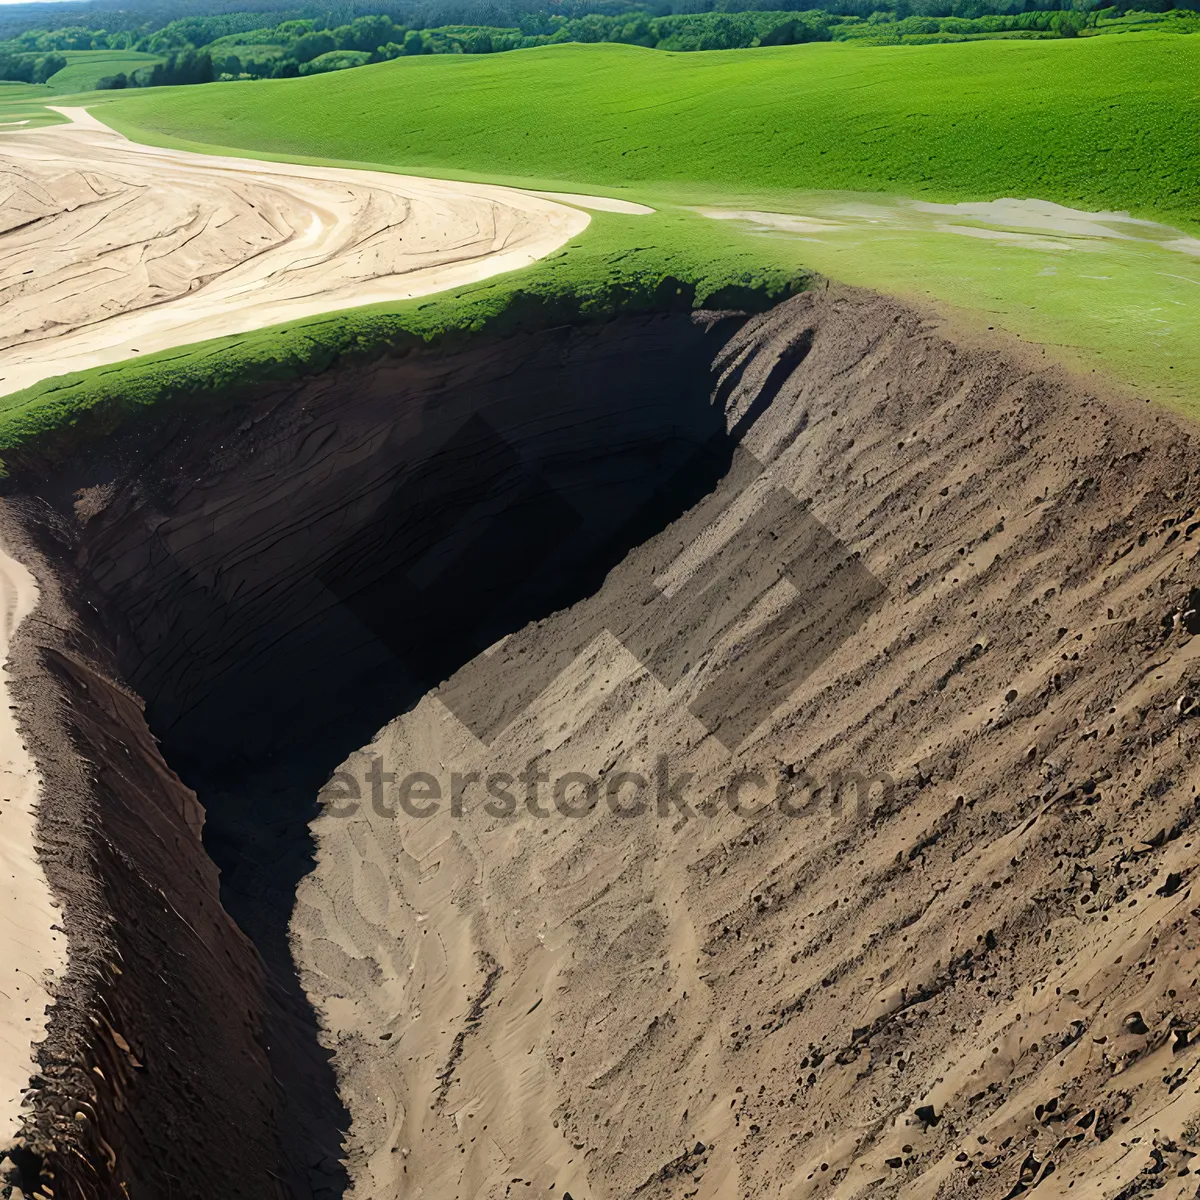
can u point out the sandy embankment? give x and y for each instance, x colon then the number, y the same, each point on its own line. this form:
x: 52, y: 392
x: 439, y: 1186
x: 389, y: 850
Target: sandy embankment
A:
x: 29, y: 947
x: 110, y: 249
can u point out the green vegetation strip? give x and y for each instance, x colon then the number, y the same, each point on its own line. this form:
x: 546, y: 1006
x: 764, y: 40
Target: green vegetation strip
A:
x: 86, y: 68
x: 616, y: 267
x: 238, y: 46
x: 1093, y: 123
x: 25, y: 104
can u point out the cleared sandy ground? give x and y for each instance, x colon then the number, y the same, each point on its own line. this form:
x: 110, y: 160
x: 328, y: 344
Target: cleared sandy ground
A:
x: 110, y: 249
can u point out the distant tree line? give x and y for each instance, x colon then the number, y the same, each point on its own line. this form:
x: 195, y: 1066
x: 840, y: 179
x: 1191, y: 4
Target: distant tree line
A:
x: 187, y: 66
x: 29, y: 68
x: 218, y: 18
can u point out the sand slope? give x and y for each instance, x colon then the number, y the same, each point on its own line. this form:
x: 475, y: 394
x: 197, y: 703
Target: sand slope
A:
x: 30, y: 949
x: 985, y: 980
x: 109, y: 249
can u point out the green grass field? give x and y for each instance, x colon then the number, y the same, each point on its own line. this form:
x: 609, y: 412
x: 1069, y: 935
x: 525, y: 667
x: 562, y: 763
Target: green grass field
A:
x: 1094, y: 123
x: 25, y: 103
x: 1103, y: 123
x: 86, y: 67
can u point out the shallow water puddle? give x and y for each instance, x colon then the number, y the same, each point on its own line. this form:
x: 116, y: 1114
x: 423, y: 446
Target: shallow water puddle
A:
x: 1107, y: 289
x: 1014, y: 221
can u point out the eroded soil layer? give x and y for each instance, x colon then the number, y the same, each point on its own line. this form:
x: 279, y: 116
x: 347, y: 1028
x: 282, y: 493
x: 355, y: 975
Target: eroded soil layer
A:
x: 893, y: 638
x: 172, y: 1065
x: 266, y: 577
x: 962, y: 580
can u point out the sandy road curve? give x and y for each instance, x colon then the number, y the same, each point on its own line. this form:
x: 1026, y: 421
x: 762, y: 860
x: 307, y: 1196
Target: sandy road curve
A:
x: 110, y: 249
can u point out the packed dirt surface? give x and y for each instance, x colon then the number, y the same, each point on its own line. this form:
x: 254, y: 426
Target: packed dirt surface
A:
x: 599, y: 203
x: 947, y: 573
x: 110, y: 249
x: 31, y: 951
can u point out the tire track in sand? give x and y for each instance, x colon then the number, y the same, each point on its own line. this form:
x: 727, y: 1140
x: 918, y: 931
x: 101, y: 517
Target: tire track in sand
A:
x: 115, y: 249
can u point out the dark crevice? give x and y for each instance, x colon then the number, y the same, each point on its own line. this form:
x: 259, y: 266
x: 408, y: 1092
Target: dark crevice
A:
x: 21, y: 1167
x: 332, y: 555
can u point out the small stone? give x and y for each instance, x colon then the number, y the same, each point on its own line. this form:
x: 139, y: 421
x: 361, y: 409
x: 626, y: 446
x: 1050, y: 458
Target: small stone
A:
x: 1171, y: 886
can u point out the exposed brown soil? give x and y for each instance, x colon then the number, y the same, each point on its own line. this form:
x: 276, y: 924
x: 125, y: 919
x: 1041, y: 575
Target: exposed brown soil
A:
x: 172, y: 1066
x: 195, y: 563
x: 937, y: 566
x: 983, y: 983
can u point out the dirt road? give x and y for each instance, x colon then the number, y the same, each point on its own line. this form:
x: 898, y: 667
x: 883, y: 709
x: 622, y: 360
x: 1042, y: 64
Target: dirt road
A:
x: 110, y: 249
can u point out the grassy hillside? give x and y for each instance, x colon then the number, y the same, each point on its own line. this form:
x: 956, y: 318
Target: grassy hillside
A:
x: 25, y: 104
x: 86, y: 67
x: 1095, y: 123
x: 1104, y: 123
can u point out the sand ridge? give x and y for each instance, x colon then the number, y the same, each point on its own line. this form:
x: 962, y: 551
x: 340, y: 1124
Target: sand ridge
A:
x: 110, y: 249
